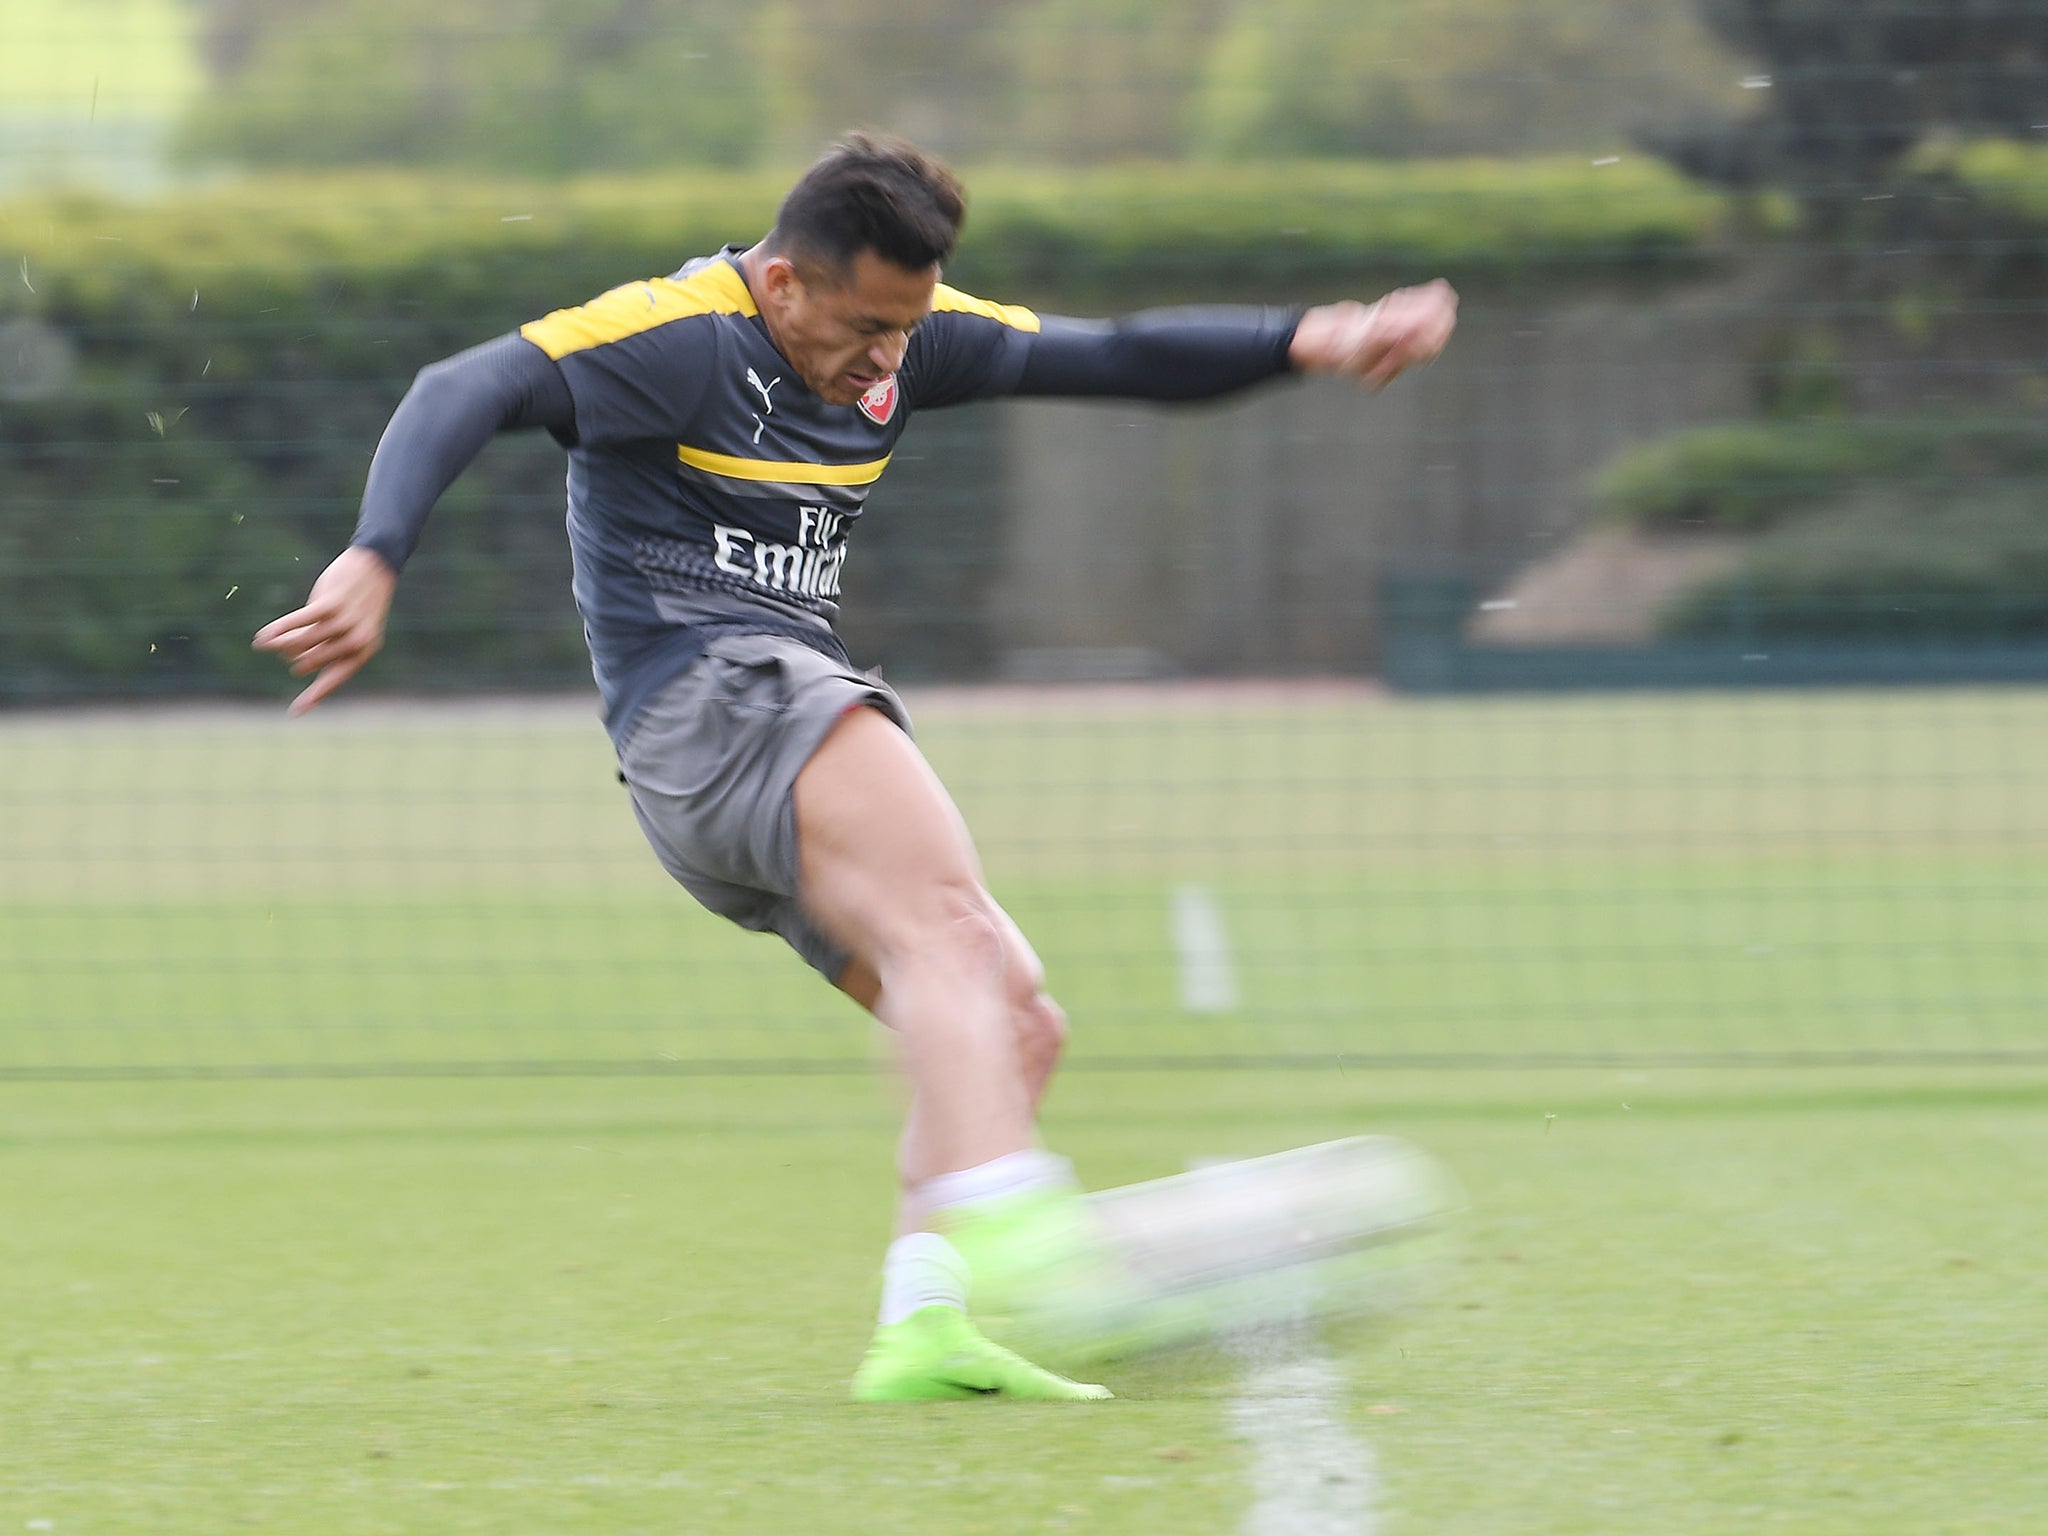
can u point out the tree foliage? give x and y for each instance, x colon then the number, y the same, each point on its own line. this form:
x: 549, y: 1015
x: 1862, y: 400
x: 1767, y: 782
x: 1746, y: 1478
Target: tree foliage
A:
x: 1847, y: 88
x: 1416, y: 77
x: 1105, y: 79
x: 540, y: 86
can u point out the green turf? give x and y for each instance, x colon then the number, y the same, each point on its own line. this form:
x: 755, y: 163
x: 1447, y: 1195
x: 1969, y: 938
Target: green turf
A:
x: 1815, y: 873
x: 1685, y: 1303
x: 1825, y: 873
x: 1854, y: 954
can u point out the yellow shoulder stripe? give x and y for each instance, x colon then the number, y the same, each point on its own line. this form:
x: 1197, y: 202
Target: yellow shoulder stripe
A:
x: 776, y: 472
x: 1013, y: 315
x: 635, y: 307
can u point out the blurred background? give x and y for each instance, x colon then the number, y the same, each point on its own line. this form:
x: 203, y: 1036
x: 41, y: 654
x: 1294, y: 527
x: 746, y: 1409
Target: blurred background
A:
x: 1658, y: 676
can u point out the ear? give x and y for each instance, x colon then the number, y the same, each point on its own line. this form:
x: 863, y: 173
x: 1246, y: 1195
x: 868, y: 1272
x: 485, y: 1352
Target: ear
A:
x: 780, y: 281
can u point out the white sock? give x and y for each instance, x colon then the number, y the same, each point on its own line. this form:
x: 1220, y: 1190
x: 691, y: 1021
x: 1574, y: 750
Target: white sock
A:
x: 922, y: 1269
x: 1011, y: 1174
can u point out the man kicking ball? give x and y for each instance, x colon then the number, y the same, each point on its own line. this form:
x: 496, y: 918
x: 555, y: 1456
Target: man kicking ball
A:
x: 724, y: 426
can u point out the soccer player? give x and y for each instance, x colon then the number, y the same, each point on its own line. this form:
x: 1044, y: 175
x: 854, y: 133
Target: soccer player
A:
x: 724, y: 426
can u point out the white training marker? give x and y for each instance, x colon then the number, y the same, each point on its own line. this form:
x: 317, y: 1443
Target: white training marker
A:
x: 1311, y: 1476
x: 1208, y: 976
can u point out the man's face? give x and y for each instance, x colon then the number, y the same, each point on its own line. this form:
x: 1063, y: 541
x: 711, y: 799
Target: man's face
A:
x: 843, y: 338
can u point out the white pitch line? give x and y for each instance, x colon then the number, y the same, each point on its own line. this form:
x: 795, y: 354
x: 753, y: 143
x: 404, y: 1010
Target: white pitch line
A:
x: 1208, y: 976
x: 1311, y: 1476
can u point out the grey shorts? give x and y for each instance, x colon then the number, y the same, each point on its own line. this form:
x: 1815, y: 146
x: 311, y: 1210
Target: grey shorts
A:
x: 712, y: 764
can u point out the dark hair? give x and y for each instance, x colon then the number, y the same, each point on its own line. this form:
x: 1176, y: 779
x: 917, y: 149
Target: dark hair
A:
x: 870, y: 192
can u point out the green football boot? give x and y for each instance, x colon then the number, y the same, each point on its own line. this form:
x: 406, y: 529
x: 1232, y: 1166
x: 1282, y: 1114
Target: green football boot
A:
x: 1045, y: 1276
x: 936, y: 1353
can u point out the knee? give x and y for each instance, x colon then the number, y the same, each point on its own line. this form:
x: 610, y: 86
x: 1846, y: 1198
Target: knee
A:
x: 1041, y: 1031
x: 1039, y: 1022
x: 957, y: 931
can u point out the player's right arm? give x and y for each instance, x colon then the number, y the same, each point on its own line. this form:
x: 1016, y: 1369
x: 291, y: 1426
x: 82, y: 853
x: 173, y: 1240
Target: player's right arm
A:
x: 453, y: 408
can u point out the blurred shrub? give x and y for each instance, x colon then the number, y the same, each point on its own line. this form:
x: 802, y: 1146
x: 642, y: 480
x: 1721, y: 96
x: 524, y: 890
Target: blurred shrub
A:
x: 1746, y: 476
x: 471, y: 247
x: 2004, y: 176
x: 1964, y: 563
x: 1127, y: 229
x: 1920, y: 529
x: 117, y: 537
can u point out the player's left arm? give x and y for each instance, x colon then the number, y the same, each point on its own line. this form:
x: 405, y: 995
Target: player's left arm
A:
x: 979, y: 351
x: 975, y: 351
x: 1198, y: 354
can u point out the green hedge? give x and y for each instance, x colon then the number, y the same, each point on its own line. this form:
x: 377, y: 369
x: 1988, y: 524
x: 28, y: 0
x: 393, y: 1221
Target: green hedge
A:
x: 1926, y: 528
x: 1745, y: 476
x: 1051, y: 231
x: 226, y: 358
x: 2004, y: 176
x: 1971, y: 565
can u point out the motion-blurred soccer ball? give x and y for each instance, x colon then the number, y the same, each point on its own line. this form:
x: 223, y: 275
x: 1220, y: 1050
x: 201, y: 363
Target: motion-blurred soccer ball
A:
x: 1269, y: 1244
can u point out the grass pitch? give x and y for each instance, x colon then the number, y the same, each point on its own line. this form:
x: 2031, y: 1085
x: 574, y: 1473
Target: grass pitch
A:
x: 1685, y: 1301
x: 1688, y: 1303
x: 1828, y: 874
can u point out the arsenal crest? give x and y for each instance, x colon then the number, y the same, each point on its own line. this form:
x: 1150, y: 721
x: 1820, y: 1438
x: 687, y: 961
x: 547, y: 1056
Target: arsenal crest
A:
x: 879, y: 403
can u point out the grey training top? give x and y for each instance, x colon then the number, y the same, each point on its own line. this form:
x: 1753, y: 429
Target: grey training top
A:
x: 708, y: 488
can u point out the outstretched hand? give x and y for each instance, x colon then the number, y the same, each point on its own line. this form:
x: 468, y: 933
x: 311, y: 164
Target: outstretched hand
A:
x: 341, y: 626
x: 1372, y: 343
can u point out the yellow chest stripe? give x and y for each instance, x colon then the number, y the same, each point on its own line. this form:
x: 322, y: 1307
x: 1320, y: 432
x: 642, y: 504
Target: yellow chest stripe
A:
x: 771, y: 470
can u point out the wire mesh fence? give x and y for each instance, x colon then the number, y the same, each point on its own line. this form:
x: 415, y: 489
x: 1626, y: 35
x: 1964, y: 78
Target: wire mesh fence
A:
x: 1212, y: 873
x: 1437, y: 726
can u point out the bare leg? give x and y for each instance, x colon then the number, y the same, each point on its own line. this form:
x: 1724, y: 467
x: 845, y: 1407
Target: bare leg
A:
x: 888, y: 870
x: 1037, y: 1023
